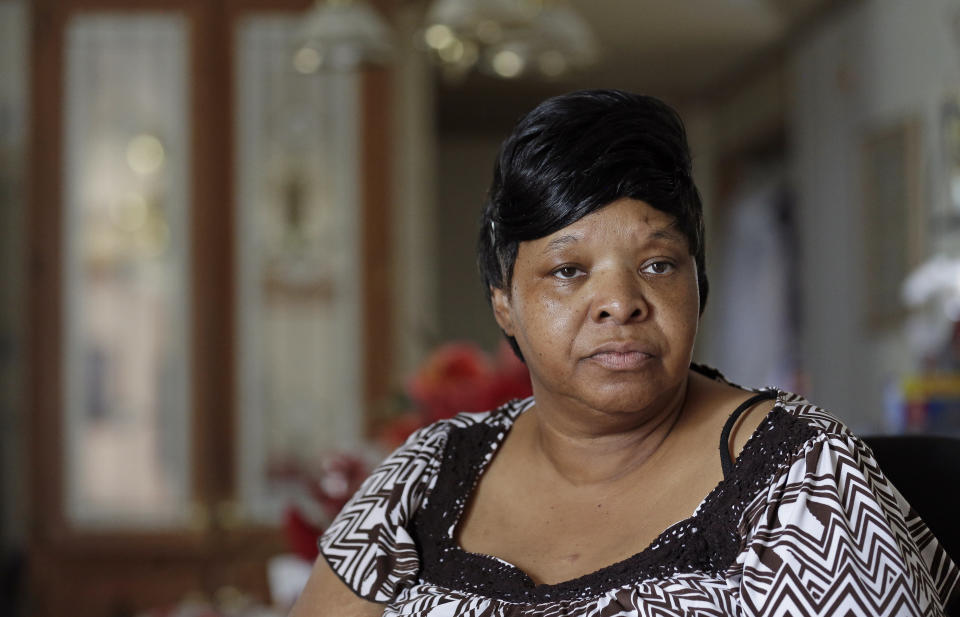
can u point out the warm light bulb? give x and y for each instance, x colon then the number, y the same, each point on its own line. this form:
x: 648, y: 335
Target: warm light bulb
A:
x: 438, y: 36
x: 452, y: 53
x: 307, y: 60
x: 507, y: 63
x: 145, y: 154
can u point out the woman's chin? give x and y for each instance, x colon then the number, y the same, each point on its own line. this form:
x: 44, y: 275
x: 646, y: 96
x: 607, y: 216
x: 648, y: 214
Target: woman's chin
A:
x: 624, y: 401
x: 651, y: 386
x: 622, y: 397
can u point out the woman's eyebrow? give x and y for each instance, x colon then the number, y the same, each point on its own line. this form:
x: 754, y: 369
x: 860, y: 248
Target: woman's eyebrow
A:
x: 667, y: 233
x: 562, y: 242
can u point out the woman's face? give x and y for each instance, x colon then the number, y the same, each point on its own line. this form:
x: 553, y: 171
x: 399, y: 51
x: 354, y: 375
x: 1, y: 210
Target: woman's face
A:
x: 605, y: 310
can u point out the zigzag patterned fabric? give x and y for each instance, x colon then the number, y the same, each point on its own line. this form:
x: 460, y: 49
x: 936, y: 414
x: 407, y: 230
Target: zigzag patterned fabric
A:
x: 806, y: 524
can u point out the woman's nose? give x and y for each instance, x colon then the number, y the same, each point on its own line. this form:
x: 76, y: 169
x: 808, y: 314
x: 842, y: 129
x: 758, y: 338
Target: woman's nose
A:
x: 619, y: 297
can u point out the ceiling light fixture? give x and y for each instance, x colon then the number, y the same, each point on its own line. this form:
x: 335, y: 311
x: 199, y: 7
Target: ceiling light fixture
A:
x: 341, y: 35
x: 508, y: 38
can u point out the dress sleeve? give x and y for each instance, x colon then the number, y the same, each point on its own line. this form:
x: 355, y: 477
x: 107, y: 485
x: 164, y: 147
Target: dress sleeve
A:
x: 834, y: 537
x: 369, y: 545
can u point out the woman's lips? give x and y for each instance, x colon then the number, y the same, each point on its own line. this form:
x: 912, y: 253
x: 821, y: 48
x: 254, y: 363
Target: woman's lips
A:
x: 621, y: 360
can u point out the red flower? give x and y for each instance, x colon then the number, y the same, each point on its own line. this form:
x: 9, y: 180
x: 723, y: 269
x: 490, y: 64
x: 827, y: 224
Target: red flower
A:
x: 301, y: 534
x: 460, y: 377
x: 455, y: 378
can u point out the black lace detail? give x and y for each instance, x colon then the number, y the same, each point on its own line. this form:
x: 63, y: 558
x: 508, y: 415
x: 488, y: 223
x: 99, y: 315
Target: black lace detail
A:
x: 726, y: 461
x: 708, y: 542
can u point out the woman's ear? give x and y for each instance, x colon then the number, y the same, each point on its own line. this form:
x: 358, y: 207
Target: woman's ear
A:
x: 501, y: 310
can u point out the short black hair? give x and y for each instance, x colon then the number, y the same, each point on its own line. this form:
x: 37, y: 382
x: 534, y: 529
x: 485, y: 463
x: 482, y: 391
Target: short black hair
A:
x: 576, y: 153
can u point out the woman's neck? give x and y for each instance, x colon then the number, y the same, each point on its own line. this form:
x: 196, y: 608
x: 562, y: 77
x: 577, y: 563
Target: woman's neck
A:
x: 568, y: 442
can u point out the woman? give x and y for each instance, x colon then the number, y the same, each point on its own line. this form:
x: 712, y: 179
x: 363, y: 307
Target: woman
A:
x: 604, y: 493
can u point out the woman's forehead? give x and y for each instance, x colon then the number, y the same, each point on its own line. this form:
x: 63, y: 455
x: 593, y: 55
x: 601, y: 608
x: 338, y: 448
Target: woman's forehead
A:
x: 628, y: 218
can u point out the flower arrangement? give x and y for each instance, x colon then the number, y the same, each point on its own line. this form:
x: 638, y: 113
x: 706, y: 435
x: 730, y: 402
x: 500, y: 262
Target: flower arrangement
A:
x: 458, y: 377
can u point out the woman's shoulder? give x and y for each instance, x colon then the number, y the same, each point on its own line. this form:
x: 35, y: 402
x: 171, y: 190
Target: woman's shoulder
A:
x: 789, y: 434
x: 798, y: 440
x: 369, y: 545
x: 811, y: 414
x: 800, y: 425
x: 791, y: 416
x: 828, y: 507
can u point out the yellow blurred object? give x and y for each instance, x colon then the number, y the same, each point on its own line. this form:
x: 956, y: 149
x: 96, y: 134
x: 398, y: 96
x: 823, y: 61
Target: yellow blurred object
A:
x: 923, y: 387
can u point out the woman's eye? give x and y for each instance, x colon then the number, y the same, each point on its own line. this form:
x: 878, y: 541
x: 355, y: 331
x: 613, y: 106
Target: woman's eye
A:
x: 658, y: 267
x: 566, y: 272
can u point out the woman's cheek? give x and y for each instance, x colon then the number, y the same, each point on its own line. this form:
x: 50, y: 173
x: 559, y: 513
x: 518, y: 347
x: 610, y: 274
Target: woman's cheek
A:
x: 557, y: 314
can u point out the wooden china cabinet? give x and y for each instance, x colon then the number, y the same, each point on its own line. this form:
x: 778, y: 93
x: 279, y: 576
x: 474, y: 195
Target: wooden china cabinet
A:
x: 207, y: 273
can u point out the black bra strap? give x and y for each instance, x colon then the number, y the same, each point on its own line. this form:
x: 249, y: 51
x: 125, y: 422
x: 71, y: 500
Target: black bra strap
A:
x: 726, y: 463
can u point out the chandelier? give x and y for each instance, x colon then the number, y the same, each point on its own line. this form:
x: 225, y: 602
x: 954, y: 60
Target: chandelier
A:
x: 508, y: 38
x: 341, y: 35
x: 503, y: 38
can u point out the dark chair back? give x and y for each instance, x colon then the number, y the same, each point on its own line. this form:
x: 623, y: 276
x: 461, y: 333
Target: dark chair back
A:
x: 926, y: 470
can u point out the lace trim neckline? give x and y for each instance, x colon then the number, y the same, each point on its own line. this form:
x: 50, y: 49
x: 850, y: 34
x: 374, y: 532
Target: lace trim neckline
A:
x: 707, y: 541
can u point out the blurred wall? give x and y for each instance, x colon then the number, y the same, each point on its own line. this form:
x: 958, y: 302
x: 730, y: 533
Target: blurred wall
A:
x: 13, y: 121
x: 727, y: 127
x: 875, y: 63
x: 464, y: 170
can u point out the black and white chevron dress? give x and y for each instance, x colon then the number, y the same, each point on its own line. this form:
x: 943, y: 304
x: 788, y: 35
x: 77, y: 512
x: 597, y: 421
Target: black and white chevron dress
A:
x: 803, y: 524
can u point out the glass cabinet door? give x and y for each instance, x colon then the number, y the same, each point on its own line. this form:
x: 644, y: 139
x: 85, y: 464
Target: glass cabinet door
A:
x: 298, y: 264
x: 126, y: 281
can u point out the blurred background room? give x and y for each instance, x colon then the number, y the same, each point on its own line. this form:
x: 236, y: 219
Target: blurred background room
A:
x: 237, y: 250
